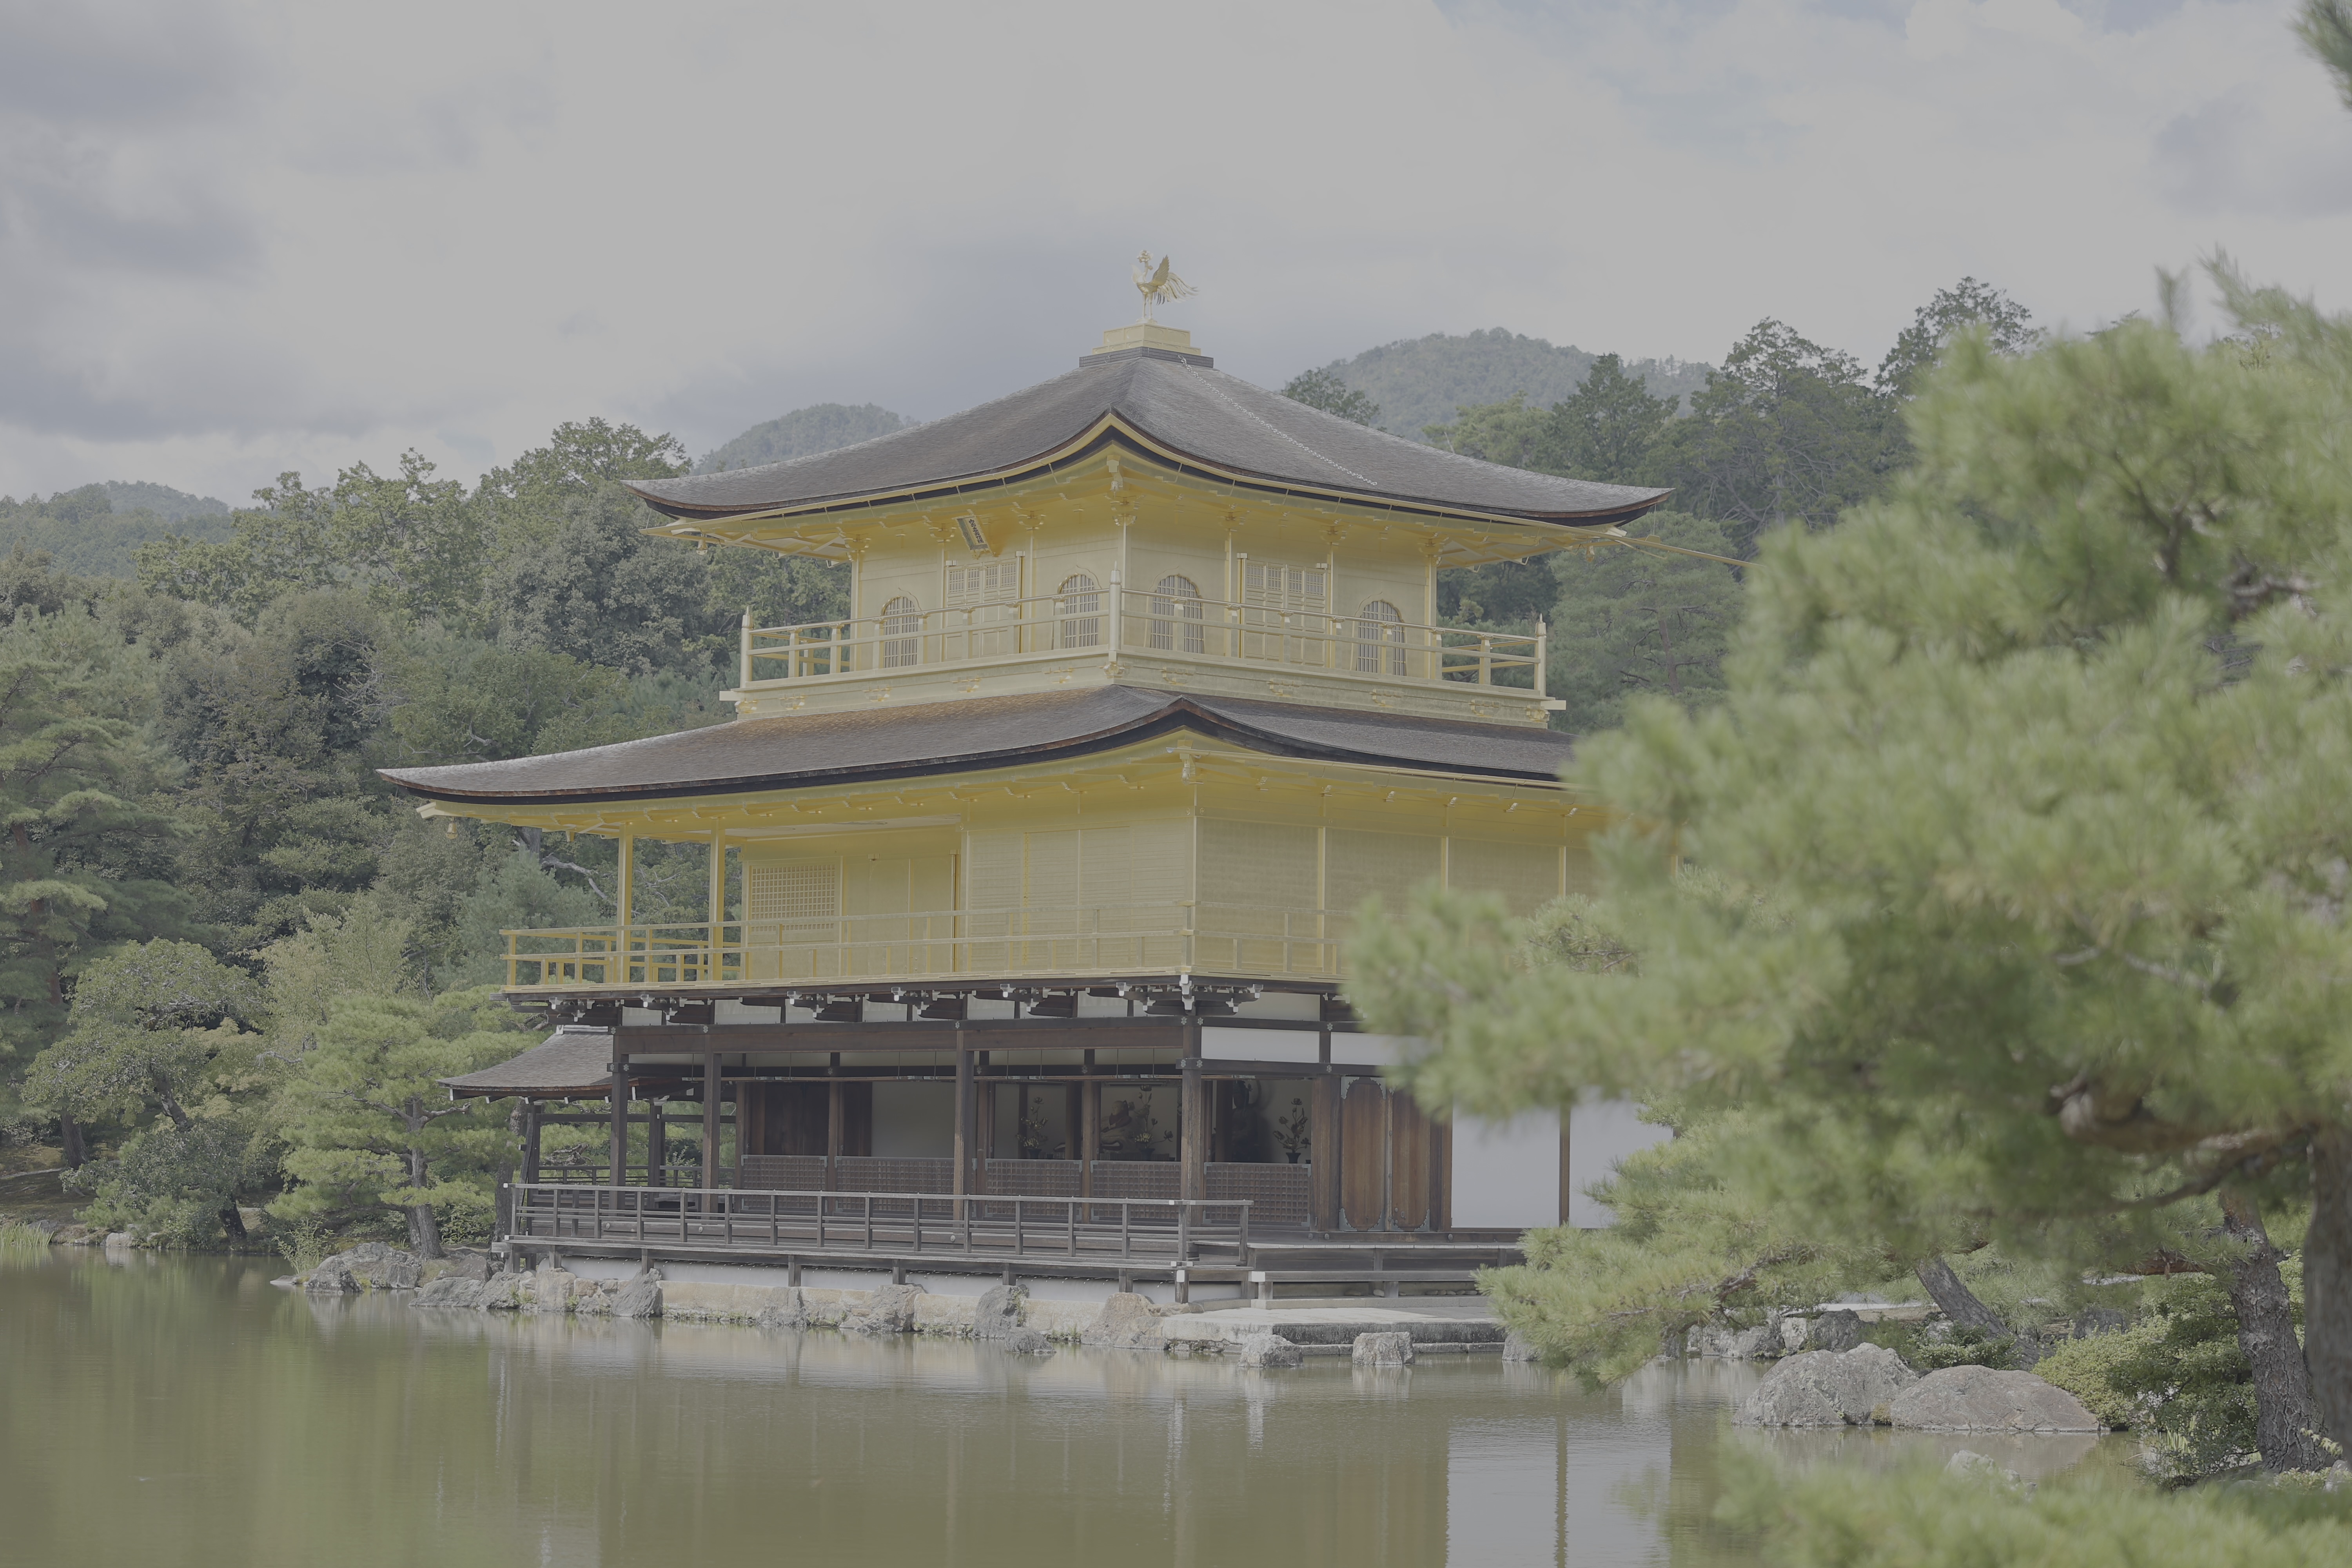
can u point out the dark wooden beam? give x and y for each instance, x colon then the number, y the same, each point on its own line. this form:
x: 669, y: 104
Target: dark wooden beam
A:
x: 620, y: 1103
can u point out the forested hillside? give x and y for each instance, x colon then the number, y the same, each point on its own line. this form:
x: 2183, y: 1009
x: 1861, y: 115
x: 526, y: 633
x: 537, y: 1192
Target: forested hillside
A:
x: 1419, y: 382
x: 211, y: 893
x: 1786, y: 432
x: 820, y: 428
x: 97, y: 530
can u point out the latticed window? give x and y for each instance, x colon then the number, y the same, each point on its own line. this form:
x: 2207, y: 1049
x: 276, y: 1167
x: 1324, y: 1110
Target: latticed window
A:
x: 1284, y: 611
x: 902, y: 626
x: 987, y: 595
x: 1078, y: 607
x: 1176, y: 617
x: 1379, y: 631
x: 800, y: 893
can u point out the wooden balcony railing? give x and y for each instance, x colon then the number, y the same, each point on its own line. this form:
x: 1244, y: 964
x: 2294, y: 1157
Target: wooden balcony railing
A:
x: 1182, y: 938
x: 1148, y: 1231
x: 1146, y: 626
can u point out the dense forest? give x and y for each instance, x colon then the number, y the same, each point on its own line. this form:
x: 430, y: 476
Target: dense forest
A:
x: 233, y: 962
x: 1420, y: 382
x: 1786, y: 433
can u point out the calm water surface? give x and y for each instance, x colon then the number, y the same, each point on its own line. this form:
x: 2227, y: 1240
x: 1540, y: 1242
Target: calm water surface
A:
x: 182, y: 1411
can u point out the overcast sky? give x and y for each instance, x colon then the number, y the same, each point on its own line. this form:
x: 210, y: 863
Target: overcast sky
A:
x: 236, y: 238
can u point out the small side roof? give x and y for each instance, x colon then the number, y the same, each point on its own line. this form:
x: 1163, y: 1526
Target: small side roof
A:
x: 1222, y: 424
x: 576, y: 1060
x: 798, y: 751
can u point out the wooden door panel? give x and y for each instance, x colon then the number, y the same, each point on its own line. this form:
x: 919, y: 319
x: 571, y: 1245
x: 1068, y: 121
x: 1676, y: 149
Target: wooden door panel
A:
x: 1363, y: 1153
x: 1408, y: 1163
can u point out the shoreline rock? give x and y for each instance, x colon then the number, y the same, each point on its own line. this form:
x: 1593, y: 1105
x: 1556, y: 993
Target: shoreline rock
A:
x: 1827, y: 1388
x: 1980, y: 1399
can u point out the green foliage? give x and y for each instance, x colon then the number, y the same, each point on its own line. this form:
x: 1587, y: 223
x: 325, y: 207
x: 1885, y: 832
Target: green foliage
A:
x: 367, y: 1122
x: 1961, y: 1344
x: 1786, y: 432
x: 97, y: 530
x: 148, y: 1026
x: 1631, y: 622
x: 23, y: 1240
x: 518, y: 893
x: 1321, y: 389
x: 1607, y: 429
x: 2325, y: 30
x: 1844, y: 1516
x: 820, y: 428
x: 601, y: 592
x: 78, y: 863
x: 1967, y: 305
x: 2177, y: 1375
x: 175, y: 1184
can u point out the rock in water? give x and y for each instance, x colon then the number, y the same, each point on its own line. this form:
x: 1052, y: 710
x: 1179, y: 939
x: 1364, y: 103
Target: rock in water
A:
x: 999, y: 1312
x: 1127, y: 1322
x: 1271, y: 1350
x: 1383, y: 1349
x: 1827, y: 1388
x: 331, y: 1278
x: 787, y: 1309
x: 451, y: 1290
x: 1980, y: 1399
x: 1834, y: 1332
x: 640, y: 1297
x: 1023, y: 1341
x: 889, y: 1310
x: 1515, y: 1347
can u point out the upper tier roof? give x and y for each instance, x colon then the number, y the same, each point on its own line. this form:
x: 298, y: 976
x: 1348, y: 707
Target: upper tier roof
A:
x: 870, y: 745
x: 1199, y: 417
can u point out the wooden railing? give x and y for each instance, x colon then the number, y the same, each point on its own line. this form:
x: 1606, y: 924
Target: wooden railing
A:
x: 1150, y: 1231
x: 1146, y: 626
x: 1239, y: 940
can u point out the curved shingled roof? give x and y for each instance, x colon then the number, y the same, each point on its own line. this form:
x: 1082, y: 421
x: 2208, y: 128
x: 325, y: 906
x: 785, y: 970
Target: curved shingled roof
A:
x: 1204, y: 417
x: 869, y: 745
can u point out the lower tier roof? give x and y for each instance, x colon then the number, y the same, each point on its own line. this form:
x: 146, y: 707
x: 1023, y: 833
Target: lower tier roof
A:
x: 801, y: 750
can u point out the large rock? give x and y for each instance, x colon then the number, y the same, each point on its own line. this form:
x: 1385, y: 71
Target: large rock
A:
x: 1022, y: 1341
x: 1827, y: 1388
x: 998, y: 1312
x: 1834, y: 1332
x: 1383, y: 1349
x: 889, y: 1310
x: 1733, y: 1345
x: 1127, y: 1322
x: 787, y: 1309
x: 640, y: 1297
x: 1518, y: 1347
x: 1980, y: 1399
x: 1271, y: 1350
x: 452, y: 1291
x: 370, y: 1266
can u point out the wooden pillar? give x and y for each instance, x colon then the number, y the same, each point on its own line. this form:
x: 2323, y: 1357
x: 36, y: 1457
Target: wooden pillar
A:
x: 1193, y: 1117
x: 718, y: 875
x: 658, y: 1145
x: 713, y: 1091
x: 1073, y: 1110
x: 1089, y: 1128
x: 1323, y: 1175
x: 620, y: 1119
x: 984, y: 1117
x: 962, y: 1117
x: 833, y: 1131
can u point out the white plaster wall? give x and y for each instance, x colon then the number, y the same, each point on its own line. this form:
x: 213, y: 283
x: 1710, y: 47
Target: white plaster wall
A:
x: 1262, y: 1044
x: 1601, y: 1134
x: 914, y: 1120
x: 1507, y: 1173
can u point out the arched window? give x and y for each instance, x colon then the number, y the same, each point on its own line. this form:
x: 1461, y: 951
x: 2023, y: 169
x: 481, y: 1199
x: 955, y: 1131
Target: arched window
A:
x: 1379, y: 629
x: 1078, y: 607
x: 1176, y: 617
x: 902, y: 626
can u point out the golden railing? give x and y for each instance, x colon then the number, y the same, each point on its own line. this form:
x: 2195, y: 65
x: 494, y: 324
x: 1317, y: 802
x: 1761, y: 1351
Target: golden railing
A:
x: 1239, y: 940
x: 1145, y: 625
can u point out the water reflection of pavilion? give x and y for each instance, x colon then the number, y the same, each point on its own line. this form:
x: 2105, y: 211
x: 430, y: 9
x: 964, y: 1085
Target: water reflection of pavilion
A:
x: 1029, y: 880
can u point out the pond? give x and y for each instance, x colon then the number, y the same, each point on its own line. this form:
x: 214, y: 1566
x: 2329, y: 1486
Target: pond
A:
x: 173, y: 1411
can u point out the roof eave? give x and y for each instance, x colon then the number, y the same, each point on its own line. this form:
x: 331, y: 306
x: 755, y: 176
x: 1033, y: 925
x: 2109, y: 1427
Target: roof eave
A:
x: 1111, y: 428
